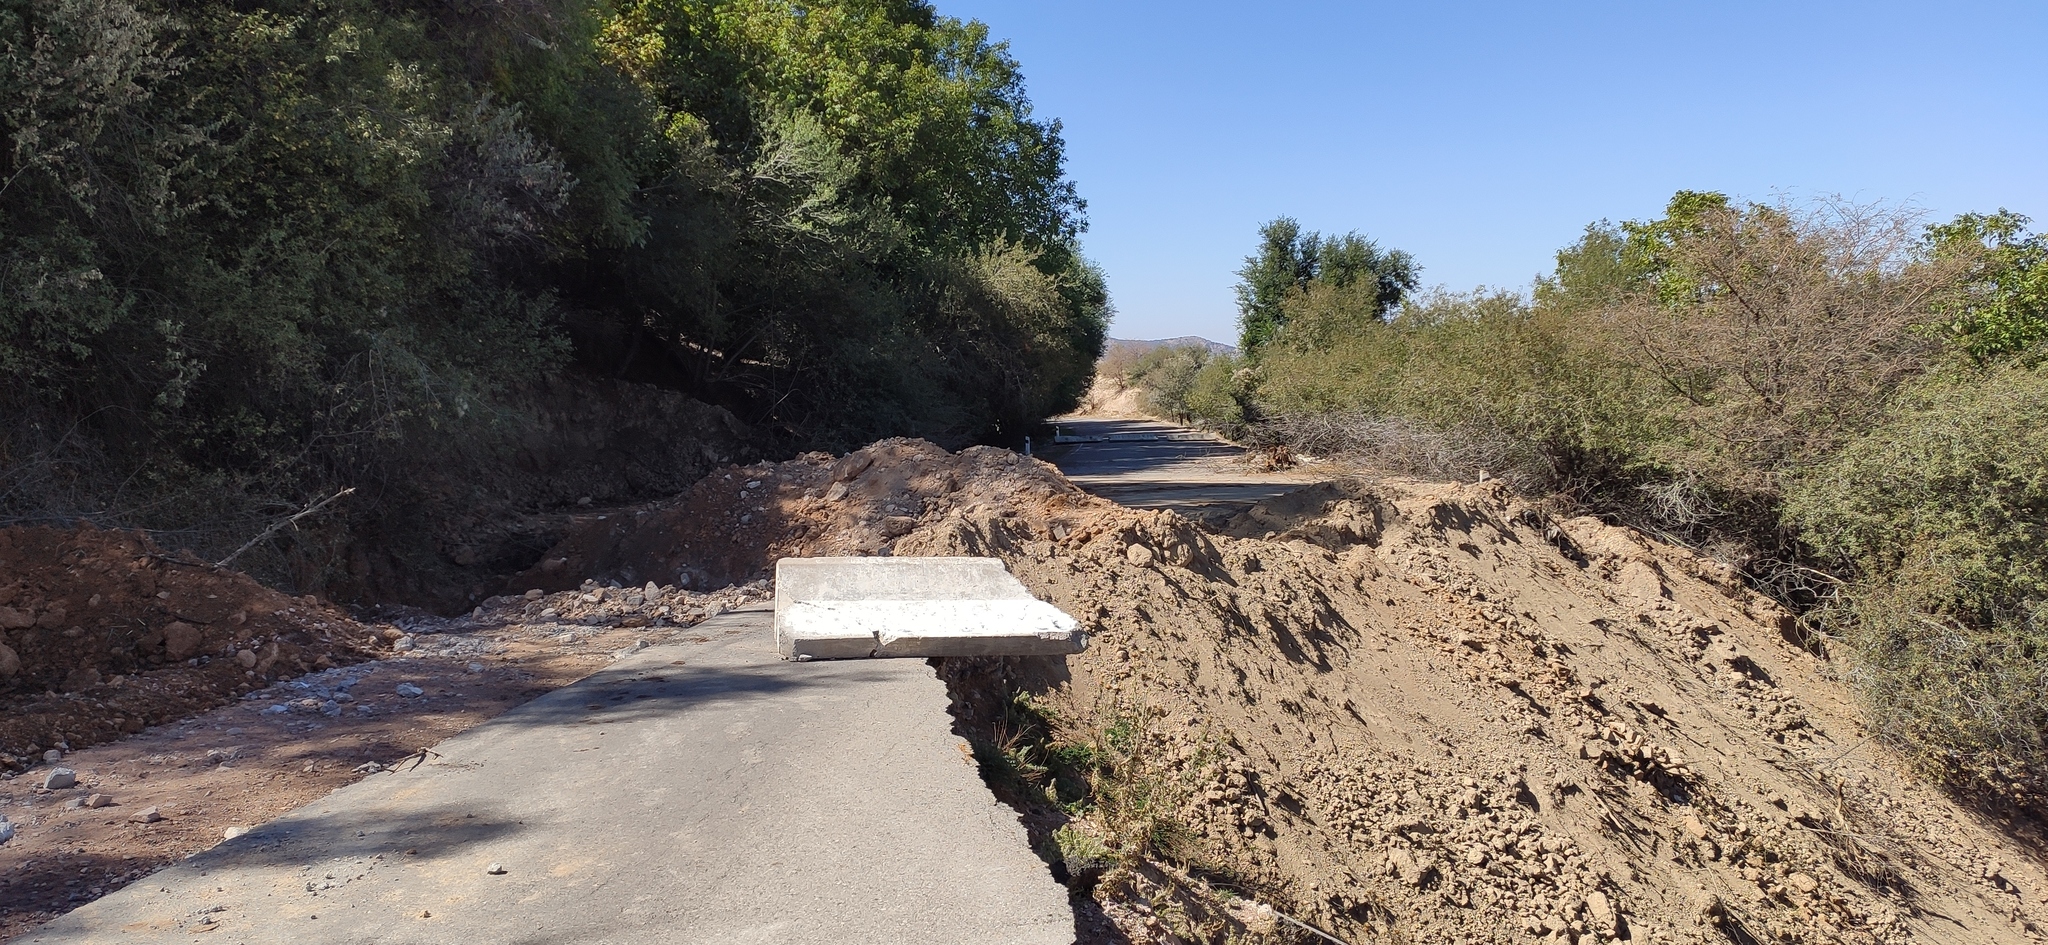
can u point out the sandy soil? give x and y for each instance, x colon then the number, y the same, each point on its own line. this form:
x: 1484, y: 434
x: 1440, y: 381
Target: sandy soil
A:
x: 1404, y: 711
x: 1391, y: 710
x: 1109, y: 399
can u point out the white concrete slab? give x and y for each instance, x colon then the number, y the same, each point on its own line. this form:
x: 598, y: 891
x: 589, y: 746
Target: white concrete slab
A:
x: 855, y: 608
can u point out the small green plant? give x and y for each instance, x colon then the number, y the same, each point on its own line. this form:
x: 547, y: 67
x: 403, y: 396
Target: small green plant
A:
x: 1083, y: 853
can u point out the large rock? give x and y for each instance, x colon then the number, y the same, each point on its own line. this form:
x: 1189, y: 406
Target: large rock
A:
x: 850, y: 608
x: 182, y: 640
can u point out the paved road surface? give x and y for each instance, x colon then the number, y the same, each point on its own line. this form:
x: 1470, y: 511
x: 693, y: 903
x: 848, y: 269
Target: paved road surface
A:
x: 1196, y: 474
x: 690, y: 794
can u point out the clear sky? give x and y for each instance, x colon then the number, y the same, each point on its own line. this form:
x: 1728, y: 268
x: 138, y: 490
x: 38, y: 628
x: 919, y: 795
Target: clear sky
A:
x: 1483, y: 137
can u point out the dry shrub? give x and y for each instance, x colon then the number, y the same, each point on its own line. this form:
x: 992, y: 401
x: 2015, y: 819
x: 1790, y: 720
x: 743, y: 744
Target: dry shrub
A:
x: 1779, y: 334
x: 1943, y: 511
x: 1408, y: 447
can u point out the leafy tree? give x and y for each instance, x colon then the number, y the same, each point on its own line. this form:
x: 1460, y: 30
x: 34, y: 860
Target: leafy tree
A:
x: 259, y: 248
x: 1290, y: 262
x: 2004, y: 311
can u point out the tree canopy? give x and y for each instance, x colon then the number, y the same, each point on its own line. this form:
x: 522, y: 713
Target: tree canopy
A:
x: 240, y: 238
x: 1290, y: 263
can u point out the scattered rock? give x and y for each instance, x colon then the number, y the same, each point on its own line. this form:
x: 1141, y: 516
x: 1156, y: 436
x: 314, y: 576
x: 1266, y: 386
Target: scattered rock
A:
x: 10, y: 662
x: 234, y: 832
x: 1139, y: 555
x: 1802, y: 882
x: 404, y: 644
x: 182, y: 640
x: 409, y: 691
x: 98, y: 801
x: 496, y: 869
x: 247, y: 658
x: 1600, y: 915
x: 535, y: 594
x: 52, y: 756
x: 6, y: 830
x: 60, y: 778
x: 147, y: 815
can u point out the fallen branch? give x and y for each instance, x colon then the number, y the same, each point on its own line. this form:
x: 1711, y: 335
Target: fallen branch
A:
x: 1312, y: 930
x: 279, y: 525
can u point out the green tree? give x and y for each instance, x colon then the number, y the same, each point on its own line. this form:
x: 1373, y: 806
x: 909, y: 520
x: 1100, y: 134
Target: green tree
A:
x: 2004, y: 310
x: 1290, y: 262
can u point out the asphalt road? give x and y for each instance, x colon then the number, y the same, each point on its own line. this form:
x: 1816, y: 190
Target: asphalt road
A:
x: 690, y: 794
x: 1151, y: 464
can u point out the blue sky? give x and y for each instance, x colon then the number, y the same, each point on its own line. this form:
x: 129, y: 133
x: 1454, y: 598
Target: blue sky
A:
x: 1482, y: 137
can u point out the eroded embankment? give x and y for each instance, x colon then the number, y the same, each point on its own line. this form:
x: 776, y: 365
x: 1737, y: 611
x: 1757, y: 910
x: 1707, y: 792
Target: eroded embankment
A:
x: 1394, y: 710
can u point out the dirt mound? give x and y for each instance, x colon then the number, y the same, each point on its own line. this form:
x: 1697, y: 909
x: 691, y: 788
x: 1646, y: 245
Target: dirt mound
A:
x: 733, y: 525
x: 1395, y: 711
x: 1109, y: 399
x: 101, y: 634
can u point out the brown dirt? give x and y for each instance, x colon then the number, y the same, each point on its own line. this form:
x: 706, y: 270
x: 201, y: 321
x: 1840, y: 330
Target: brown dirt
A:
x: 1109, y: 399
x: 1403, y: 711
x: 101, y: 634
x: 213, y: 766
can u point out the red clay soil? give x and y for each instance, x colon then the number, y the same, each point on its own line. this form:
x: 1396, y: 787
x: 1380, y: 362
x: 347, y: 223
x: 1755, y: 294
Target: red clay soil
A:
x: 102, y: 634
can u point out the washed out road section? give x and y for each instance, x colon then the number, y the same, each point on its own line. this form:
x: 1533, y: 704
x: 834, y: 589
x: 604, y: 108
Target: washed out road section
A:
x: 690, y: 793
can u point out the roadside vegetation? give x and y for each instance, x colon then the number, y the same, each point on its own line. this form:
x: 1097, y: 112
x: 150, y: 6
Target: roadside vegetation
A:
x: 254, y: 252
x: 1842, y: 401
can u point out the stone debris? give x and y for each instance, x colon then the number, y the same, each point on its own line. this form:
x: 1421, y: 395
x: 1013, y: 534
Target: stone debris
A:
x: 147, y: 815
x: 409, y: 691
x: 59, y: 779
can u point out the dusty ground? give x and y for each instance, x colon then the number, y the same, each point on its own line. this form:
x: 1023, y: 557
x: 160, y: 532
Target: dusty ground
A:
x: 102, y: 634
x: 1403, y: 711
x: 1109, y: 399
x: 1391, y: 710
x: 296, y: 739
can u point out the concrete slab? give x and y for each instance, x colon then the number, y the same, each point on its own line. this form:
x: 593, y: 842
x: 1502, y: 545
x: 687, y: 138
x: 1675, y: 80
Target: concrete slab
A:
x: 688, y: 795
x: 854, y: 608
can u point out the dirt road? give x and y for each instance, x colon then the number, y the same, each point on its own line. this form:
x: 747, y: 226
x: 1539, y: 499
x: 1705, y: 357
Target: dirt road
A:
x: 1152, y: 464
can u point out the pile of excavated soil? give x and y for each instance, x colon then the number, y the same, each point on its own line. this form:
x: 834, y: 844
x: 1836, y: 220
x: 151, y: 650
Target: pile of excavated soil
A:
x: 101, y: 634
x: 1400, y: 711
x: 733, y: 525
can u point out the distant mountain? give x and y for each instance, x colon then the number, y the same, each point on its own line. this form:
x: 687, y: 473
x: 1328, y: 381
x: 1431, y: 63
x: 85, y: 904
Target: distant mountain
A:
x: 1184, y: 341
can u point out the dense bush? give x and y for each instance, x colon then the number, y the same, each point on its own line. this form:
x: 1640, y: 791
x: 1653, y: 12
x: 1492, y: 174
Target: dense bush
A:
x: 1941, y: 515
x: 266, y: 249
